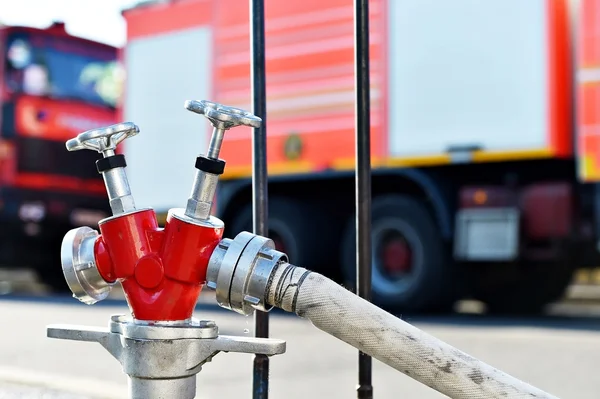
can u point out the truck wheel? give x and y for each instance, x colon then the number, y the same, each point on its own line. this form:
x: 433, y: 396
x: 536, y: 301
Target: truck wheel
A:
x: 411, y: 269
x: 49, y: 269
x: 52, y: 276
x: 524, y: 288
x: 299, y: 229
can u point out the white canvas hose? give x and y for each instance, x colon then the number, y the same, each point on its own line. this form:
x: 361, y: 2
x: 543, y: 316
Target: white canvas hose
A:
x: 346, y: 316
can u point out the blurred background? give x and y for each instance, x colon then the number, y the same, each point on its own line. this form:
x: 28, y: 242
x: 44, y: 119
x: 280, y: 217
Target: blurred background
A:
x: 486, y: 170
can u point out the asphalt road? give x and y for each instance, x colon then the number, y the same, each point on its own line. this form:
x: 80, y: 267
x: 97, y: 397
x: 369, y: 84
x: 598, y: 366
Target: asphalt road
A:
x: 19, y: 391
x: 556, y: 353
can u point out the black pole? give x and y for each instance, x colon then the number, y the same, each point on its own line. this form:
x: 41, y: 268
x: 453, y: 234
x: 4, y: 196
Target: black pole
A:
x: 363, y: 178
x: 260, y: 380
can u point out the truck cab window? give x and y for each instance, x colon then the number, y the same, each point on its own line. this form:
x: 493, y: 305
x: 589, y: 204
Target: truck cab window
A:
x: 61, y: 68
x: 25, y: 71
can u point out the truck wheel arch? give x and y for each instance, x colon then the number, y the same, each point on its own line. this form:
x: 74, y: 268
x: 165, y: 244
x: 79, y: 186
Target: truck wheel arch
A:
x: 433, y: 189
x: 234, y: 194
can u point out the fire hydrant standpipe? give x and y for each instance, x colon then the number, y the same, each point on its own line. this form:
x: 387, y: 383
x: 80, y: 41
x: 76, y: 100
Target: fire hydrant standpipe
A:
x: 160, y: 346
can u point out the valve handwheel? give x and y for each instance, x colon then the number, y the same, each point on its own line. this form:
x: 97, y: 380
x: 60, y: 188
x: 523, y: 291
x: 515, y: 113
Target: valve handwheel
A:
x: 103, y: 140
x: 223, y: 117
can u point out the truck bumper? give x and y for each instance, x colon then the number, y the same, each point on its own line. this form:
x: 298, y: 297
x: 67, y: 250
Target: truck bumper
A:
x: 33, y: 222
x: 503, y: 224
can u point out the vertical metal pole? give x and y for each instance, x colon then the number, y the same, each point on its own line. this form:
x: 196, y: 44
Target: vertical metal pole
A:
x: 260, y: 380
x: 363, y: 178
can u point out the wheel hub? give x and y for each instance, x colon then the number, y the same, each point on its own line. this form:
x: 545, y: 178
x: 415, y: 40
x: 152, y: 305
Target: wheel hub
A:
x: 397, y: 256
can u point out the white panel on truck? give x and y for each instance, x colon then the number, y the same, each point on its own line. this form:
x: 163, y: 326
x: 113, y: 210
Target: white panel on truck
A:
x: 162, y: 73
x: 467, y: 73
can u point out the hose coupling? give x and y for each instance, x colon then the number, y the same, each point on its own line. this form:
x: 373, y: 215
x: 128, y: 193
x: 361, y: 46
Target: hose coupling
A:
x: 240, y: 271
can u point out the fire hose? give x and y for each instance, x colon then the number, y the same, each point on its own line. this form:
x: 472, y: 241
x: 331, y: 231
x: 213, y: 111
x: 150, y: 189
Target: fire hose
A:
x: 344, y: 315
x: 341, y: 313
x: 162, y: 347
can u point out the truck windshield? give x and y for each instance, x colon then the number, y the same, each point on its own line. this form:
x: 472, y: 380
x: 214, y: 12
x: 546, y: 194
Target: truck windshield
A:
x: 62, y: 68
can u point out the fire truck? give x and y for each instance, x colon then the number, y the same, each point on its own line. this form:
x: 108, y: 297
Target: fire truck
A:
x: 53, y: 86
x: 485, y: 129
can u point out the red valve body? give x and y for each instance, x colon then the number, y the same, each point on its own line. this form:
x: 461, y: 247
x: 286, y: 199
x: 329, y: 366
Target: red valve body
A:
x: 162, y: 271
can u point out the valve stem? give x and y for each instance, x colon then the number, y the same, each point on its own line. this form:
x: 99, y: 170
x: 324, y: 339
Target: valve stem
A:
x: 119, y: 192
x: 210, y: 167
x: 216, y: 141
x: 111, y: 166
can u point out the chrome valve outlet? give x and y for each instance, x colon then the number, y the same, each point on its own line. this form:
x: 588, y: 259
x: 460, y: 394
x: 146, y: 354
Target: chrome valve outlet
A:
x: 79, y: 266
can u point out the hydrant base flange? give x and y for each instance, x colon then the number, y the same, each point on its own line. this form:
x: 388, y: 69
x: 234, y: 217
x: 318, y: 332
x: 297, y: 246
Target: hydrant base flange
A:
x: 162, y: 360
x: 127, y: 327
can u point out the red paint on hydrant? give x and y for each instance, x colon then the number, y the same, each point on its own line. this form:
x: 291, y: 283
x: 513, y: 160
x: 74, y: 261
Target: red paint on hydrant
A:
x: 162, y: 271
x: 149, y: 271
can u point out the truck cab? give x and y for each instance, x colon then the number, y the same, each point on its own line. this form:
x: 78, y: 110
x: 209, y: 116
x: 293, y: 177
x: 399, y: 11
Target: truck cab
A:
x: 52, y: 87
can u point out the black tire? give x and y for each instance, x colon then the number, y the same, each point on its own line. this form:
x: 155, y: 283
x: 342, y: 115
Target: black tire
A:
x: 50, y: 274
x: 49, y: 269
x: 522, y: 288
x: 305, y: 231
x: 432, y: 287
x: 52, y: 279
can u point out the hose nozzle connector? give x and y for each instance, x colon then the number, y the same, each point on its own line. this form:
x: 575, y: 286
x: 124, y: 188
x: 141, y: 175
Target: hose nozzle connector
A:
x: 210, y: 167
x: 240, y: 271
x: 111, y: 166
x: 79, y: 266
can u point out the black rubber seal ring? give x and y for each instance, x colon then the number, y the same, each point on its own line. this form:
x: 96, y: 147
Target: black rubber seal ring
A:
x: 108, y: 163
x: 298, y: 286
x: 208, y: 165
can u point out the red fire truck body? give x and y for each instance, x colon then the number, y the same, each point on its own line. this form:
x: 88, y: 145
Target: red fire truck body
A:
x: 485, y: 126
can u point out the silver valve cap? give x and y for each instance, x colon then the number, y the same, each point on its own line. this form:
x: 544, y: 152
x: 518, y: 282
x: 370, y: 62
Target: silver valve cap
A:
x: 79, y: 266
